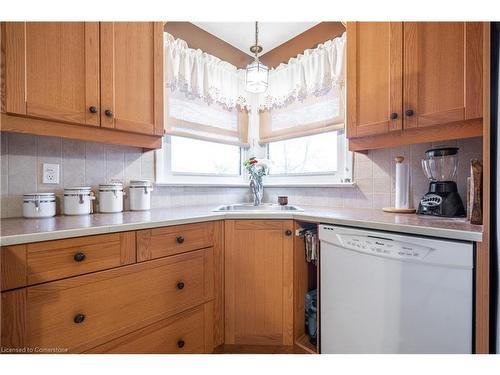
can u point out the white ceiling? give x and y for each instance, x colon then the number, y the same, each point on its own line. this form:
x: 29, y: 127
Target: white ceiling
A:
x: 242, y: 34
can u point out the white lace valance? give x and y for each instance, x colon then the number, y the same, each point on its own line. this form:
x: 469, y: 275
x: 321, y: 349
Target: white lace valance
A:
x: 202, y: 76
x: 313, y: 73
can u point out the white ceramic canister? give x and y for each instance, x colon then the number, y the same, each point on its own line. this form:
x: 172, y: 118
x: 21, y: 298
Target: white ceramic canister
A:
x: 78, y: 200
x: 111, y: 197
x: 38, y: 205
x: 139, y: 195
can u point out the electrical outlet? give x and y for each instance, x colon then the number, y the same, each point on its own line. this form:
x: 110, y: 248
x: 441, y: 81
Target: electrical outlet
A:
x: 50, y: 173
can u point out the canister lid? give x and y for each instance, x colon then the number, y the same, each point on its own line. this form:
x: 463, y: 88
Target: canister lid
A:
x: 39, y: 196
x: 140, y: 183
x: 113, y: 185
x: 77, y: 190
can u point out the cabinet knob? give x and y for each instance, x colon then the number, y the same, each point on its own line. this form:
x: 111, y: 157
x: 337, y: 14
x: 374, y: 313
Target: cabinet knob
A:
x: 108, y: 112
x: 288, y: 232
x: 180, y: 239
x: 394, y: 115
x: 79, y: 257
x: 180, y: 343
x: 180, y: 285
x: 93, y: 109
x: 79, y: 318
x: 409, y: 112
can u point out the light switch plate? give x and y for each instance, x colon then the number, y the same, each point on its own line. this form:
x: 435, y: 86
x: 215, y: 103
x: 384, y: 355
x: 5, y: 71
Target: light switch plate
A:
x: 50, y: 173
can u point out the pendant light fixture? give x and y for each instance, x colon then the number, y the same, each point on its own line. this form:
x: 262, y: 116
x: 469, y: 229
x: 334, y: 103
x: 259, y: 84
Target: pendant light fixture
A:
x: 257, y: 74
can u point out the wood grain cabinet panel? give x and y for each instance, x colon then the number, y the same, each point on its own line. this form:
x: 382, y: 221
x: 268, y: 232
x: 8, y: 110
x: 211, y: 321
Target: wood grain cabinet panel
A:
x: 52, y: 260
x: 413, y: 82
x: 82, y: 312
x: 184, y: 333
x: 107, y: 76
x: 39, y: 262
x: 374, y: 77
x: 259, y: 282
x: 132, y: 76
x: 62, y: 71
x: 161, y: 242
x: 443, y: 72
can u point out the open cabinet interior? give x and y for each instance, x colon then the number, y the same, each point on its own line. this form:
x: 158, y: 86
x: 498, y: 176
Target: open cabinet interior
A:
x: 306, y: 280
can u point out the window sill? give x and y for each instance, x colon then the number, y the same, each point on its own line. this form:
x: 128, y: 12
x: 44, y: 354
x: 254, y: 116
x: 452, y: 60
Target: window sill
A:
x: 310, y: 185
x: 268, y: 185
x: 202, y: 184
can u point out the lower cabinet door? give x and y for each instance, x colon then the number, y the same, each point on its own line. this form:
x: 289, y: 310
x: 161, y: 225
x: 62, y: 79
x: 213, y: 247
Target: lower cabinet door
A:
x: 258, y: 282
x: 186, y: 333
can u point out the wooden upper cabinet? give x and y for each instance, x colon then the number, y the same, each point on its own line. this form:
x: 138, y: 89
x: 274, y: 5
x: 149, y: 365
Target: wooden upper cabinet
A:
x: 405, y: 76
x: 107, y: 76
x: 258, y: 282
x: 443, y: 72
x: 374, y: 77
x: 132, y: 76
x: 61, y: 70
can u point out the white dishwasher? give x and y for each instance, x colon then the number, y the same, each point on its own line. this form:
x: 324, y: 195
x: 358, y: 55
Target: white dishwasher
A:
x: 382, y: 292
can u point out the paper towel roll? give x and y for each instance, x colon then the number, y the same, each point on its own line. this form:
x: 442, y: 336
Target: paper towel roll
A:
x: 402, y: 184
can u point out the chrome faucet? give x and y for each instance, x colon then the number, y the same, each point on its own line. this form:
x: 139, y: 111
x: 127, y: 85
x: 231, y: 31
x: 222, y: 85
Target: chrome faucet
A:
x: 257, y: 189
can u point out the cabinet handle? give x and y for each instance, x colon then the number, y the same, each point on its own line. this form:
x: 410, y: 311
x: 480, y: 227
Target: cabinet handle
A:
x: 180, y: 239
x: 394, y: 115
x: 288, y: 232
x: 409, y: 112
x: 79, y: 257
x: 79, y: 318
x: 108, y: 112
x: 93, y: 109
x: 180, y: 343
x: 180, y: 285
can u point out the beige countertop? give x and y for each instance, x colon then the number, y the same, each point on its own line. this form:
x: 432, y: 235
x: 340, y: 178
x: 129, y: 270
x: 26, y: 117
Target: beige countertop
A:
x: 18, y: 230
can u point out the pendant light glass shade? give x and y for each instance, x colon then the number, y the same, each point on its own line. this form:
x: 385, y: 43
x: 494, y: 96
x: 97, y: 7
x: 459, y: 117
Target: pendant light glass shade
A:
x: 257, y: 77
x: 257, y: 74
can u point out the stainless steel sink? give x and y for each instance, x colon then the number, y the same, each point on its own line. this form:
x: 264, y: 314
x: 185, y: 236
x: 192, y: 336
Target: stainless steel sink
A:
x: 265, y: 207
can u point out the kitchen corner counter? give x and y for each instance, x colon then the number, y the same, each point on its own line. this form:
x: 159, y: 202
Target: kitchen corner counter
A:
x: 18, y: 230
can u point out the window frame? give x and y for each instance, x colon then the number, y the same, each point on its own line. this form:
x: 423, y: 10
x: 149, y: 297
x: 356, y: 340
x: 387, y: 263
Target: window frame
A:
x: 165, y: 176
x: 343, y: 177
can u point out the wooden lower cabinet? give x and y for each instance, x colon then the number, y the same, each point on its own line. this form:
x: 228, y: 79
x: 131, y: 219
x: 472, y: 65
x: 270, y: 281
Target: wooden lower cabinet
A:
x: 187, y: 333
x: 259, y: 282
x: 79, y: 313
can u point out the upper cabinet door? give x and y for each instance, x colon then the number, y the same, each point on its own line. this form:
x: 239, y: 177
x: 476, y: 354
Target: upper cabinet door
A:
x: 374, y: 78
x: 132, y: 76
x: 62, y: 71
x: 442, y: 72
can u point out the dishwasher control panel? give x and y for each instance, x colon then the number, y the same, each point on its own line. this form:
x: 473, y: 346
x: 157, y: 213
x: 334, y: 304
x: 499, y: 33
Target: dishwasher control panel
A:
x: 383, y: 247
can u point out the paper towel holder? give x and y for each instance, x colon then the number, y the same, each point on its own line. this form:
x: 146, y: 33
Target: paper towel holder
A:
x: 399, y: 159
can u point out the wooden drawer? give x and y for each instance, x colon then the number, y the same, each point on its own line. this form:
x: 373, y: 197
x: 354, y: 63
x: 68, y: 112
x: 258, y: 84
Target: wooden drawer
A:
x: 52, y: 260
x: 113, y: 302
x: 160, y: 242
x: 185, y: 333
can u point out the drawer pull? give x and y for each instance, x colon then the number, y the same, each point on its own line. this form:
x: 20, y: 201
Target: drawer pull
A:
x: 180, y: 285
x: 180, y: 239
x: 108, y: 113
x: 79, y: 318
x: 288, y: 232
x: 180, y: 343
x: 79, y: 257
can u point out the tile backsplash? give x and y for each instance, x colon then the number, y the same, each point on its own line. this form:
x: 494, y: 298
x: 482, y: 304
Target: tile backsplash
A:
x: 88, y: 164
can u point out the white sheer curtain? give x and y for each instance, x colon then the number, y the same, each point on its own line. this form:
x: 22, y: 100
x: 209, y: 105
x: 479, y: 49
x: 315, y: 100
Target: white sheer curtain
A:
x: 205, y: 96
x: 306, y: 95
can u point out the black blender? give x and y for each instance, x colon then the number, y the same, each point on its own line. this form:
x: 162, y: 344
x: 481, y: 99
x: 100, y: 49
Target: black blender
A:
x: 440, y: 167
